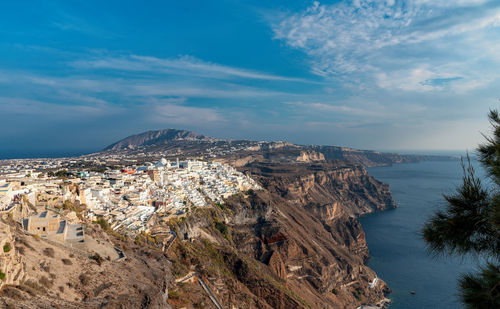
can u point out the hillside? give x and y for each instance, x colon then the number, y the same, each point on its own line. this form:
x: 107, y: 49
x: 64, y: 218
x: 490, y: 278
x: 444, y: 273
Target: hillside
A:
x: 159, y: 137
x: 296, y: 244
x: 44, y: 274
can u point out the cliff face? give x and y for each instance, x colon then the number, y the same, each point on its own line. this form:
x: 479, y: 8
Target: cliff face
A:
x: 371, y: 158
x: 296, y: 244
x: 329, y: 189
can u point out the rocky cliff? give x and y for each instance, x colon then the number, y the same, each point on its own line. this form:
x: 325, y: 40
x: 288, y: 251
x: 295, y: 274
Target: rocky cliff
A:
x: 296, y: 244
x: 329, y: 189
x: 371, y: 158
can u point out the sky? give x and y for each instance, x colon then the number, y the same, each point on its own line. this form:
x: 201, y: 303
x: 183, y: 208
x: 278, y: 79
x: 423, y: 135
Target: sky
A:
x: 76, y: 76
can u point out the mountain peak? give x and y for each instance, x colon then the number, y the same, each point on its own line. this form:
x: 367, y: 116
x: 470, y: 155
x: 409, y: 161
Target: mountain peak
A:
x: 157, y: 137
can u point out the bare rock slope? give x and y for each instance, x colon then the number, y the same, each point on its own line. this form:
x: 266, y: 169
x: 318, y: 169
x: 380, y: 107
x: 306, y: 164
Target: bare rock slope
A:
x: 296, y: 244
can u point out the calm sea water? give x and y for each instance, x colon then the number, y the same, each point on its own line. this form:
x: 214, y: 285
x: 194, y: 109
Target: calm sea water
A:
x: 398, y: 253
x: 22, y: 154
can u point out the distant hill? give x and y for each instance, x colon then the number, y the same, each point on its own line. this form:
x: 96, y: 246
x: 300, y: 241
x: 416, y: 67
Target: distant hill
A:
x: 157, y: 137
x: 374, y: 158
x: 182, y: 143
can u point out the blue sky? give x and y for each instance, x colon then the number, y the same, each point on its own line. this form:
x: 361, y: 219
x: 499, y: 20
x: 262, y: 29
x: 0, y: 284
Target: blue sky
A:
x: 415, y: 75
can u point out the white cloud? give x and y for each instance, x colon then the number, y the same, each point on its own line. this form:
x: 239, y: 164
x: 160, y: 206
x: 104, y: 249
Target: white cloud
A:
x: 194, y: 90
x: 356, y: 110
x: 88, y: 88
x: 415, y: 80
x: 21, y: 106
x: 453, y: 3
x: 185, y: 65
x: 186, y: 115
x: 367, y: 109
x: 396, y: 44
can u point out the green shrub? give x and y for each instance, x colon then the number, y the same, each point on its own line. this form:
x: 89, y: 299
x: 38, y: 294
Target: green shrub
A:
x: 61, y: 174
x: 178, y: 269
x: 103, y: 223
x: 174, y: 294
x: 49, y: 252
x: 67, y: 205
x: 84, y: 279
x: 32, y: 288
x: 12, y: 292
x: 44, y: 281
x: 222, y: 227
x: 96, y: 257
x: 7, y: 248
x: 2, y: 275
x: 220, y: 206
x: 146, y: 239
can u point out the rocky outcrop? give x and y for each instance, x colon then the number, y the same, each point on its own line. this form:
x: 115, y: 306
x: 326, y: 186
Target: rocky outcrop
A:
x: 12, y: 264
x: 308, y: 156
x: 277, y: 265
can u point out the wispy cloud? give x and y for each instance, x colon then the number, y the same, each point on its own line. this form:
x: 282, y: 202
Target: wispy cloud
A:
x: 90, y: 86
x: 21, y: 106
x: 142, y: 94
x: 159, y: 111
x: 66, y: 21
x: 364, y: 41
x: 174, y: 112
x: 185, y: 65
x: 357, y: 109
x: 341, y: 108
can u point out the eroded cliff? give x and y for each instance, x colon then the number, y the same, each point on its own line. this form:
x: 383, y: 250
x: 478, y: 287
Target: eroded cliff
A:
x: 295, y: 244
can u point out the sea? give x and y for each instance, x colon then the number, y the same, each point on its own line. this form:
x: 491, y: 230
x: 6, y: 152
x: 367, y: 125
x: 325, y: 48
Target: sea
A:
x: 398, y: 252
x: 32, y: 154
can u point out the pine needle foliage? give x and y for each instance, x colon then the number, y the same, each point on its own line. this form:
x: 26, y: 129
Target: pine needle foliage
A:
x: 470, y: 224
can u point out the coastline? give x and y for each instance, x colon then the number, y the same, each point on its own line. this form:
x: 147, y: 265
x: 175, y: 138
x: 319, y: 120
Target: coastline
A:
x: 383, y: 304
x: 397, y: 252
